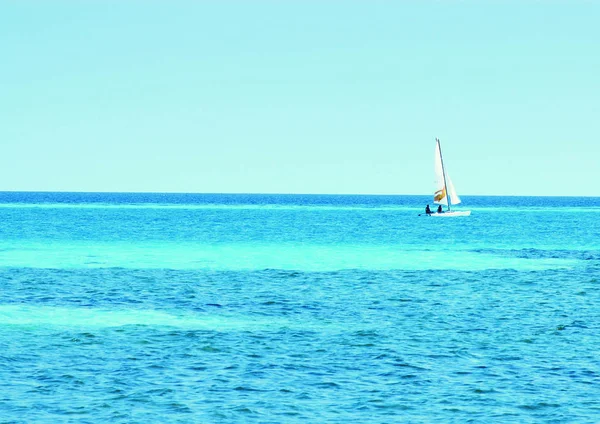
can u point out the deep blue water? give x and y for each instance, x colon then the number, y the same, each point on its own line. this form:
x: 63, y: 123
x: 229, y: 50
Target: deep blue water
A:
x: 186, y: 308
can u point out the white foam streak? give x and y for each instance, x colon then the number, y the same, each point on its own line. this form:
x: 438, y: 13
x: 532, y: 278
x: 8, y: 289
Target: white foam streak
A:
x: 36, y: 316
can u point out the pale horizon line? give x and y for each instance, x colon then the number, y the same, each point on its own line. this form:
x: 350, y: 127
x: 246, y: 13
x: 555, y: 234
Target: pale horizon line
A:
x: 283, y: 194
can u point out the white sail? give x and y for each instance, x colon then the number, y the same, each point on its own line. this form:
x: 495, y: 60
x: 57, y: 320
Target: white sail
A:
x: 453, y: 196
x: 443, y: 186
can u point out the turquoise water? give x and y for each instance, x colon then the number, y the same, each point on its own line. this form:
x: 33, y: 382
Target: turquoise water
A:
x: 289, y: 309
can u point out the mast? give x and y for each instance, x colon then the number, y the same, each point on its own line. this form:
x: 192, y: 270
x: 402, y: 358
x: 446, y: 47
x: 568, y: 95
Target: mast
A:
x: 444, y: 174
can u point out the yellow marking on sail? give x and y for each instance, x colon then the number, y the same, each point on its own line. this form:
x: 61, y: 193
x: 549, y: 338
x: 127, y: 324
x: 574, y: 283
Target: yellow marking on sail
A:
x: 439, y: 195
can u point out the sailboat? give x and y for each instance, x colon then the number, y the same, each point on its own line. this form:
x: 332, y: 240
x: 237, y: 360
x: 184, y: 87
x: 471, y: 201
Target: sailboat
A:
x: 445, y: 194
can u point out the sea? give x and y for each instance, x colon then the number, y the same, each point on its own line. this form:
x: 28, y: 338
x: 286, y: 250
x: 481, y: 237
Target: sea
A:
x: 250, y: 308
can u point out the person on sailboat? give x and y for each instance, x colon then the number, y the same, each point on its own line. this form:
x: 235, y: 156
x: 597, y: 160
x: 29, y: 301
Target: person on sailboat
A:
x: 427, y: 210
x: 440, y: 209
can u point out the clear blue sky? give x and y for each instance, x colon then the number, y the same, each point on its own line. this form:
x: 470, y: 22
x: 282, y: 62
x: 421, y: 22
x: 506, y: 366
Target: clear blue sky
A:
x: 300, y: 96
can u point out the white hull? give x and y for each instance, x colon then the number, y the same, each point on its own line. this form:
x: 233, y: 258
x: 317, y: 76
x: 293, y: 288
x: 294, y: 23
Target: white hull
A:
x: 451, y: 213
